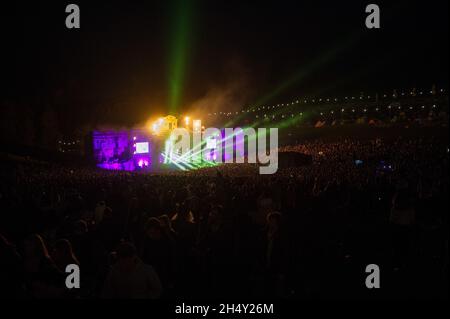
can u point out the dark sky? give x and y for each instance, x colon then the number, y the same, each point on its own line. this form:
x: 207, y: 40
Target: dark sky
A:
x: 270, y: 51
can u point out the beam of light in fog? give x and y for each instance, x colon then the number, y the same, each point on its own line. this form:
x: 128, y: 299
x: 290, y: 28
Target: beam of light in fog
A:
x: 301, y: 74
x: 179, y: 49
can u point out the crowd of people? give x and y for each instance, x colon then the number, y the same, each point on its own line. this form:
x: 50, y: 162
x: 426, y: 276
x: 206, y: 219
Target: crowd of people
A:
x: 226, y: 231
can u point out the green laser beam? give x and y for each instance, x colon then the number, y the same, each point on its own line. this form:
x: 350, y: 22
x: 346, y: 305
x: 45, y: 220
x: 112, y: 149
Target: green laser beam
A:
x: 179, y: 50
x: 303, y: 72
x: 312, y: 67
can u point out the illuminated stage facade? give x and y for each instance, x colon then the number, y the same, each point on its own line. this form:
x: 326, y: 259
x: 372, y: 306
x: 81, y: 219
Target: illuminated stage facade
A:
x: 130, y: 150
x: 153, y: 148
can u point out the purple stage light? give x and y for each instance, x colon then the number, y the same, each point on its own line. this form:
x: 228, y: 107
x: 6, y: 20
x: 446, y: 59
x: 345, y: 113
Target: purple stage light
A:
x: 123, y: 150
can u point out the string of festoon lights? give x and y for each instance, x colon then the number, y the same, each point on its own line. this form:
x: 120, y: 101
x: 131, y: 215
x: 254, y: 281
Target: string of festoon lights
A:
x: 352, y: 110
x: 304, y: 101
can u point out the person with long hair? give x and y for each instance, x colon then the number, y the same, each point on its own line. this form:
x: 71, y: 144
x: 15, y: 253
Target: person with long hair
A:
x: 43, y: 279
x: 63, y: 254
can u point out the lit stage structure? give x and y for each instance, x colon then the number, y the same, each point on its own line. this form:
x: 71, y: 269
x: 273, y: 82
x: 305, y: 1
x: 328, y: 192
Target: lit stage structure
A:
x: 146, y: 149
x: 123, y: 150
x: 132, y: 150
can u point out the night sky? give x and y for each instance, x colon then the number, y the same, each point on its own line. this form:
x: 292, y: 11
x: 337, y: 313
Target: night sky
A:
x: 127, y: 59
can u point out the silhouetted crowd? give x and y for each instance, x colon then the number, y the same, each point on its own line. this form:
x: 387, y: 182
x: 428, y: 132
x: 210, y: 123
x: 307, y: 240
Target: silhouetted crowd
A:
x: 226, y: 231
